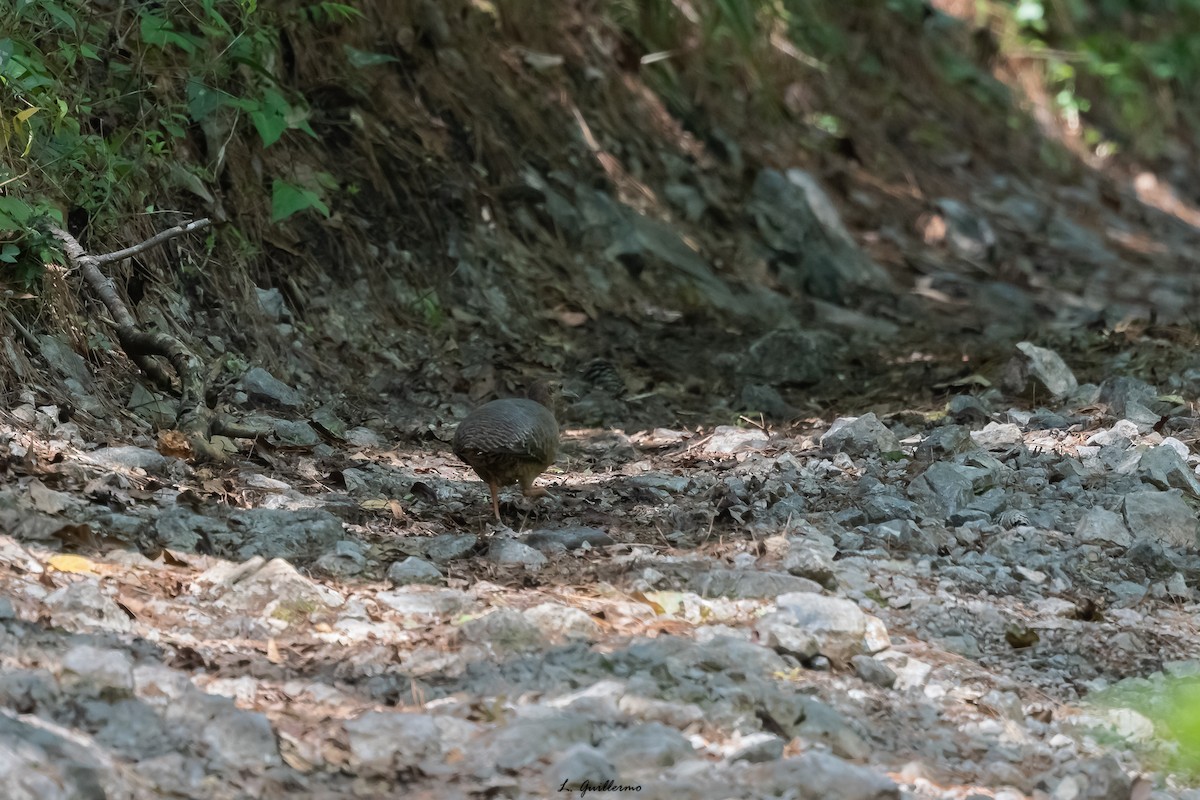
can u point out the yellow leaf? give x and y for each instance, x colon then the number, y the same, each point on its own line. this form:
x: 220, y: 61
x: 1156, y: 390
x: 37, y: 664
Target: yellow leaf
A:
x: 66, y: 562
x: 22, y: 116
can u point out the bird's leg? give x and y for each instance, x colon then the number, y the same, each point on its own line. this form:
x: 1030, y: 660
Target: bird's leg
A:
x: 495, y: 499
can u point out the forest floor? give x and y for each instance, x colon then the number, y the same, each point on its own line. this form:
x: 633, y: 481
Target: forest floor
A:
x: 864, y: 492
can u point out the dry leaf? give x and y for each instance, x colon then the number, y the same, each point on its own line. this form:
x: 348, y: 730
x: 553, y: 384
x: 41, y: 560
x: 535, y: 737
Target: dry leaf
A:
x: 642, y: 598
x: 397, y: 509
x: 68, y: 562
x: 174, y: 444
x: 273, y: 652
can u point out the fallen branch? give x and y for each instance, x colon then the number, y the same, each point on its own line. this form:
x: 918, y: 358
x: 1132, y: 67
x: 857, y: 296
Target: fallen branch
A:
x: 194, y: 419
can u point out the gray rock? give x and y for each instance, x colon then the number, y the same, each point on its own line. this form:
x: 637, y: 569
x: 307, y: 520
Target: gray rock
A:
x: 180, y: 528
x: 581, y: 763
x: 558, y: 540
x: 295, y: 433
x: 967, y: 408
x: 873, y: 671
x: 778, y: 630
x: 103, y: 668
x: 813, y: 563
x: 524, y: 741
x: 648, y: 746
x: 757, y: 748
x: 1101, y: 525
x: 128, y: 457
x: 790, y: 357
x: 510, y: 551
x: 264, y: 388
x: 363, y: 437
x: 563, y: 622
x: 858, y: 436
x: 84, y: 605
x: 1089, y: 779
x: 504, y: 631
x: 1049, y: 368
x: 998, y: 436
x: 667, y: 484
x: 277, y: 590
x: 819, y: 722
x: 420, y: 602
x: 820, y: 776
x: 1163, y: 517
x: 37, y: 763
x: 272, y: 303
x: 327, y: 419
x: 296, y: 535
x: 1163, y: 468
x: 347, y: 559
x: 450, y: 546
x: 1131, y: 399
x: 726, y: 439
x: 838, y: 625
x: 414, y: 570
x: 746, y: 584
x: 382, y: 742
x: 948, y: 440
x: 817, y: 255
x: 767, y: 400
x: 238, y: 739
x: 943, y: 488
x: 968, y: 232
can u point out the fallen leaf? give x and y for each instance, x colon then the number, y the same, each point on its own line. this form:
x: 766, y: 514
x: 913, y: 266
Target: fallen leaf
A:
x: 69, y: 562
x: 174, y: 444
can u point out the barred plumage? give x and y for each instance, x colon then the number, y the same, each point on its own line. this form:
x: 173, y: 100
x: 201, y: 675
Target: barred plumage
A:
x: 508, y: 441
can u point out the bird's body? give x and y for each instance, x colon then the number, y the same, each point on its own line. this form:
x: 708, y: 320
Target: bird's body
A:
x: 508, y: 441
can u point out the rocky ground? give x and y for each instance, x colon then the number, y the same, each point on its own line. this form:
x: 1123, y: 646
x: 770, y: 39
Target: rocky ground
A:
x: 847, y: 532
x: 879, y: 467
x: 995, y: 602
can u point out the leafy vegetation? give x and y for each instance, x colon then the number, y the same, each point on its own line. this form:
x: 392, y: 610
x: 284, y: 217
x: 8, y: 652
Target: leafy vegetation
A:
x: 94, y: 108
x: 1122, y: 71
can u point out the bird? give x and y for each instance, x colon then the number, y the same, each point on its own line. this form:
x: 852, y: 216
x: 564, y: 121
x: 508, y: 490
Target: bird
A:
x: 511, y: 440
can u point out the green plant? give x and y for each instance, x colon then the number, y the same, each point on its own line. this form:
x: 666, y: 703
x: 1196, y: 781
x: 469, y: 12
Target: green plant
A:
x: 1133, y: 67
x: 93, y: 126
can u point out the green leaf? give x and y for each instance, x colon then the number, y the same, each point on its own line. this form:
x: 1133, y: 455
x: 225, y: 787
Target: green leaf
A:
x: 271, y: 117
x: 14, y: 214
x: 64, y: 18
x: 203, y: 100
x: 288, y: 199
x: 160, y: 32
x: 361, y: 58
x: 9, y: 253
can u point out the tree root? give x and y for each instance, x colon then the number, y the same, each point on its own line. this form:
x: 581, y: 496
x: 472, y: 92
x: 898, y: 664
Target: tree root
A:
x: 195, y: 420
